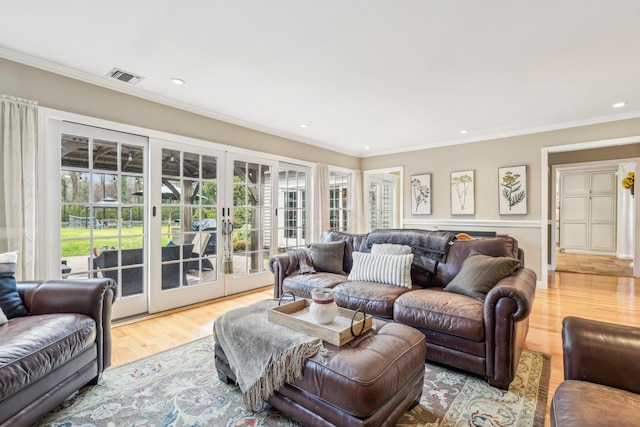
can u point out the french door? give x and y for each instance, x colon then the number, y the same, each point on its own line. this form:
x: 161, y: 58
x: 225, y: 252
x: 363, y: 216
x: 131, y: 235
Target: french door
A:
x: 184, y: 200
x: 172, y: 223
x: 249, y: 225
x: 102, y: 216
x: 211, y: 224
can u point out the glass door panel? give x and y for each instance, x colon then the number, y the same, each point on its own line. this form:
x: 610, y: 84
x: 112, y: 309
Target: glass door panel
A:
x: 185, y: 236
x: 249, y: 225
x: 102, y: 212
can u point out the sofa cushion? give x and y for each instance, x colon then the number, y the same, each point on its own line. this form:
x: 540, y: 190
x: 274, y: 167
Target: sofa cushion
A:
x: 480, y: 273
x: 327, y: 256
x: 373, y: 298
x: 390, y: 249
x: 389, y: 269
x: 33, y: 346
x: 581, y: 403
x: 440, y: 311
x: 303, y: 284
x: 10, y: 300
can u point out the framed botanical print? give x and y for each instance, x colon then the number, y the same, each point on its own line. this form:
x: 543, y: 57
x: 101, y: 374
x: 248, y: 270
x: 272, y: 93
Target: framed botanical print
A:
x: 421, y: 194
x: 513, y: 190
x: 463, y: 192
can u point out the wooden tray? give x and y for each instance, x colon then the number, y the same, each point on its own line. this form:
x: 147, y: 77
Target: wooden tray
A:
x: 296, y: 315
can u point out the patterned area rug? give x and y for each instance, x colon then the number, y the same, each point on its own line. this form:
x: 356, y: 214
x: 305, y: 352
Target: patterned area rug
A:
x: 180, y: 387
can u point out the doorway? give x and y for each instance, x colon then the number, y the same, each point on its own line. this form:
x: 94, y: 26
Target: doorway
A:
x: 593, y: 218
x: 383, y: 198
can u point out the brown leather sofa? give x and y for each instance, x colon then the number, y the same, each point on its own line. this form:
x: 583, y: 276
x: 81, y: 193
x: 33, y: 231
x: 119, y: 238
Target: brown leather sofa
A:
x: 602, y: 375
x: 64, y: 344
x: 485, y: 338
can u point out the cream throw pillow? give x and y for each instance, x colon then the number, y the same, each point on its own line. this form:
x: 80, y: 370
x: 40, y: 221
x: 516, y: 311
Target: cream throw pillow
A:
x: 3, y: 318
x: 390, y: 249
x: 380, y: 268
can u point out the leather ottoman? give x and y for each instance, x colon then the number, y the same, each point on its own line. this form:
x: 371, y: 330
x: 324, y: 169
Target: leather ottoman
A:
x: 370, y: 381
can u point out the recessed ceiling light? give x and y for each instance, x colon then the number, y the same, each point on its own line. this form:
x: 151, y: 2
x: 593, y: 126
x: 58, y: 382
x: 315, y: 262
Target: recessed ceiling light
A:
x: 178, y: 82
x: 463, y: 131
x: 304, y: 126
x: 367, y: 147
x: 619, y: 104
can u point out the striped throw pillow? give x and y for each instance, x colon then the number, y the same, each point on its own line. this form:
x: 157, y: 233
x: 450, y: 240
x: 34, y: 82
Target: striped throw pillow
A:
x: 381, y: 268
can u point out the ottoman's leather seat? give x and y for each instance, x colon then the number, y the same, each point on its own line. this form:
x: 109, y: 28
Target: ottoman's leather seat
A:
x: 370, y: 381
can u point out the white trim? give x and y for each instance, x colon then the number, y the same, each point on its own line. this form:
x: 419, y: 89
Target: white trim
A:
x: 472, y: 223
x: 544, y: 216
x: 592, y: 144
x: 506, y: 134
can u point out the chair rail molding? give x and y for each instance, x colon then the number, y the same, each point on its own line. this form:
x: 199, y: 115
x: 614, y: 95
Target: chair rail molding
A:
x: 446, y: 223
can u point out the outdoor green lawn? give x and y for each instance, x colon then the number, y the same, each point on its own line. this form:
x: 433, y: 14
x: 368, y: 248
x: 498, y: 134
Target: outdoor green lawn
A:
x: 75, y: 240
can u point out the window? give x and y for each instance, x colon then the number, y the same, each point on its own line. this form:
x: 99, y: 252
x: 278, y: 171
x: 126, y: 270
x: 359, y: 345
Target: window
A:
x: 339, y: 201
x: 293, y: 190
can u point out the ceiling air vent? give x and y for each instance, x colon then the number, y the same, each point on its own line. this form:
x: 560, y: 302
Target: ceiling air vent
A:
x: 125, y: 76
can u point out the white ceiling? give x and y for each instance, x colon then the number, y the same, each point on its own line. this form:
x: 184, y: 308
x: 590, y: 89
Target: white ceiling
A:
x: 394, y: 75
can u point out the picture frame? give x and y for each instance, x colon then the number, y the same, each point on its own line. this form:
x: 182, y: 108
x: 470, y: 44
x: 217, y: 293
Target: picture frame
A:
x: 463, y: 192
x: 512, y: 193
x: 421, y: 194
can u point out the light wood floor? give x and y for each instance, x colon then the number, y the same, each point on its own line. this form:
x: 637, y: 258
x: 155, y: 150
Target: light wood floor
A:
x: 593, y: 264
x: 606, y: 298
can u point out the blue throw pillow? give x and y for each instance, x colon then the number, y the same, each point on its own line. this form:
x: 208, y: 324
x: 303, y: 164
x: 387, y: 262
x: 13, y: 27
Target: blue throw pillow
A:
x: 10, y: 300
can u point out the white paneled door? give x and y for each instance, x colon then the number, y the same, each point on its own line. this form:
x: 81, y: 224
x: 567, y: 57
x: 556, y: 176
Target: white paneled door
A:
x: 588, y: 211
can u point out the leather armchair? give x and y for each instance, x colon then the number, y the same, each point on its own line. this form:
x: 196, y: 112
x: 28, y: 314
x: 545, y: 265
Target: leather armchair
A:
x: 602, y: 375
x: 64, y: 344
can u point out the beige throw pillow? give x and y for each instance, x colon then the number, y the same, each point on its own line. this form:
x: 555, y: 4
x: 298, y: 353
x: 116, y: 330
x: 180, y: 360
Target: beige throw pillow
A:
x: 480, y: 273
x: 390, y: 249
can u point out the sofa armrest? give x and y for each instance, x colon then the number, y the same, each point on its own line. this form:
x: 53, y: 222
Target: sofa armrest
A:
x: 279, y: 265
x: 91, y: 297
x: 506, y: 319
x: 602, y: 353
x: 519, y: 287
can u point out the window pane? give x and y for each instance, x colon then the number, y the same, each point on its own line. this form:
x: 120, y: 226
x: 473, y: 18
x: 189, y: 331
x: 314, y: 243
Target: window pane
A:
x: 105, y: 155
x: 132, y: 159
x: 170, y: 162
x: 74, y: 186
x: 191, y: 165
x: 74, y: 151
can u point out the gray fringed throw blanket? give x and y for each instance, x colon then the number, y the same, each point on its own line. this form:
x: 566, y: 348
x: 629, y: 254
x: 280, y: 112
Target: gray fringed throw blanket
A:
x: 263, y: 355
x: 428, y: 247
x: 300, y: 262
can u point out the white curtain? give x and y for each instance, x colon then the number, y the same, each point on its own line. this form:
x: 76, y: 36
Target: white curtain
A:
x: 359, y: 224
x: 323, y: 197
x: 18, y: 179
